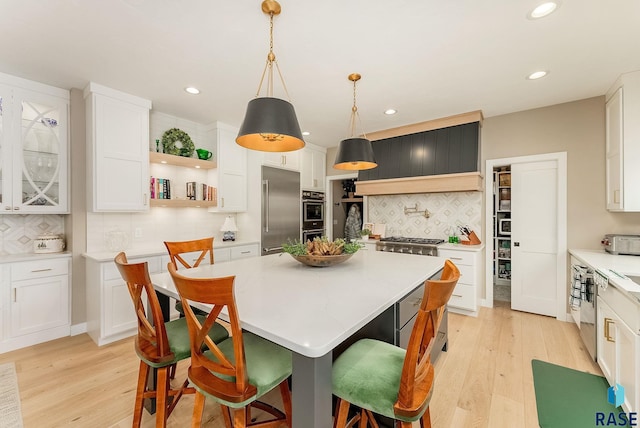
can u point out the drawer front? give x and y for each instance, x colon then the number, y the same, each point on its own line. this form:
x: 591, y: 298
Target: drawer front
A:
x: 621, y: 304
x: 244, y: 251
x: 408, y: 306
x: 463, y: 297
x: 458, y: 257
x: 467, y: 275
x: 221, y: 255
x: 110, y: 271
x: 39, y: 269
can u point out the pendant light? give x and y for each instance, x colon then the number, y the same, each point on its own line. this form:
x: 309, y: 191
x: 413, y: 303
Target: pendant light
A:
x: 355, y: 153
x: 270, y: 124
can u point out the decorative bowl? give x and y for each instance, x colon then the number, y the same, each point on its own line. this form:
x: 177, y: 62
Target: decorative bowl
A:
x: 322, y: 261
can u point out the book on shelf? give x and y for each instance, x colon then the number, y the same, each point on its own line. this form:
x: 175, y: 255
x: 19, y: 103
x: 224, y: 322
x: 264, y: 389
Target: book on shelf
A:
x: 160, y: 188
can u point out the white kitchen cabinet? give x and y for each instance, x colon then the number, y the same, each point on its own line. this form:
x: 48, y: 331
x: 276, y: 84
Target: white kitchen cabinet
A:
x: 623, y: 144
x: 465, y: 297
x: 313, y: 168
x: 117, y: 150
x: 34, y: 147
x: 231, y: 171
x: 285, y: 160
x: 110, y: 313
x: 618, y: 343
x: 35, y: 302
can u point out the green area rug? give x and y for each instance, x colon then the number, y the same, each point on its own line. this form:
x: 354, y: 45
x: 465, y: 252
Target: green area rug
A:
x: 567, y: 398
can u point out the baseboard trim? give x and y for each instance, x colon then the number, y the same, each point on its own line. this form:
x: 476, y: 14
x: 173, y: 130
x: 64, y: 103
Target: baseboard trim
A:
x: 77, y: 329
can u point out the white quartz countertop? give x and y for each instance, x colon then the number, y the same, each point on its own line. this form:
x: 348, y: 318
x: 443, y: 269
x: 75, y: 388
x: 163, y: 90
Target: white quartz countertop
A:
x: 615, y: 267
x: 160, y: 250
x: 461, y: 247
x: 12, y: 258
x: 312, y: 310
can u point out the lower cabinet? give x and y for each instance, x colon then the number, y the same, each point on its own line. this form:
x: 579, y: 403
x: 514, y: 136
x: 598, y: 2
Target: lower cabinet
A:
x: 110, y: 315
x: 465, y: 297
x: 618, y: 347
x: 35, y: 302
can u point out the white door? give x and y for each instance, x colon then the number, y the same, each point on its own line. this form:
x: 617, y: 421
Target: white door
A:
x: 534, y: 237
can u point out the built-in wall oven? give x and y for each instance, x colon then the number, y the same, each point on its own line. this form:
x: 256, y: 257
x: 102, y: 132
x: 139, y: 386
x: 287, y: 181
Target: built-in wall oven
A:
x: 312, y: 214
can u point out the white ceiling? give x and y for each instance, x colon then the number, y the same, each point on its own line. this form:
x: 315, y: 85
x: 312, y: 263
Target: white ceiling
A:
x: 425, y: 58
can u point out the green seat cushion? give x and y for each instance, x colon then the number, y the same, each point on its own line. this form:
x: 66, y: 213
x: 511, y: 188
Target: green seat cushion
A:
x: 178, y: 335
x: 196, y: 311
x: 368, y: 374
x: 268, y: 365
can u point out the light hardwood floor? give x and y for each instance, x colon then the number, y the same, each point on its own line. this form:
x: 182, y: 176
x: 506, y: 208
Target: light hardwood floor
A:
x: 484, y: 380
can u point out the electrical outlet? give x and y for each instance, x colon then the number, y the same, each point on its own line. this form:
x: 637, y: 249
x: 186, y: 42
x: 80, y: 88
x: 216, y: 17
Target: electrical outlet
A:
x: 137, y: 233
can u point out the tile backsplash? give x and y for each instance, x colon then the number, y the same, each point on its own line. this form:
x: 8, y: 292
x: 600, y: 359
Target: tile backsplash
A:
x: 117, y: 231
x: 447, y: 211
x: 17, y: 232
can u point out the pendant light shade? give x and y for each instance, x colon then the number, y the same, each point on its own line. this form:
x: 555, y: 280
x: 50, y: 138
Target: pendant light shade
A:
x: 270, y: 124
x: 355, y: 153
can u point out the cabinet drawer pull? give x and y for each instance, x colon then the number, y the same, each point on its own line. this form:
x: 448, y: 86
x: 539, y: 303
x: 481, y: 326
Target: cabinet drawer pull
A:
x: 41, y: 270
x: 15, y: 295
x: 417, y: 302
x: 455, y: 258
x: 607, y: 324
x: 245, y: 252
x: 7, y: 208
x: 16, y: 208
x: 457, y: 295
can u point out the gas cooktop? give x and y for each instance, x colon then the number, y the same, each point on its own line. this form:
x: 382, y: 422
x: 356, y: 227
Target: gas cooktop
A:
x: 419, y: 241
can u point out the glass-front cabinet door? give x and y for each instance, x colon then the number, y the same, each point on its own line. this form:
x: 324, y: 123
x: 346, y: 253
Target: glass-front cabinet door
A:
x: 34, y: 132
x: 5, y: 148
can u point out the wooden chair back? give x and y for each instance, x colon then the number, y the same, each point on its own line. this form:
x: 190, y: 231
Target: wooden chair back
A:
x: 151, y: 343
x: 177, y: 249
x: 218, y: 292
x: 417, y: 373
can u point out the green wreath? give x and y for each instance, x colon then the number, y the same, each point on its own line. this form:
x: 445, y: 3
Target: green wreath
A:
x: 169, y: 139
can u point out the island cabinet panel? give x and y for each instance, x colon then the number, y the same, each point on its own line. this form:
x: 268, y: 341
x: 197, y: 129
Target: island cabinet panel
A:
x: 442, y: 151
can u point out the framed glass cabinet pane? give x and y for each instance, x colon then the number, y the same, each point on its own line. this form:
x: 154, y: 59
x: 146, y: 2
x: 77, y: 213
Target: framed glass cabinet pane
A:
x: 41, y: 147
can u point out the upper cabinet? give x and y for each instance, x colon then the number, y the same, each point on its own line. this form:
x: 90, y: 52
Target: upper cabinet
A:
x: 313, y: 168
x: 231, y: 171
x: 34, y: 147
x: 117, y: 150
x: 623, y: 143
x: 285, y: 160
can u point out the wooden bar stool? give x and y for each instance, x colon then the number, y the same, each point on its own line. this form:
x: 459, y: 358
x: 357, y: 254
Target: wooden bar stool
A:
x: 238, y: 371
x: 382, y: 378
x: 177, y: 254
x: 159, y: 344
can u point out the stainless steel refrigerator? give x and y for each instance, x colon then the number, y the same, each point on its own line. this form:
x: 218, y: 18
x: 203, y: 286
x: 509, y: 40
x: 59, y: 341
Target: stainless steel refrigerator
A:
x: 280, y: 208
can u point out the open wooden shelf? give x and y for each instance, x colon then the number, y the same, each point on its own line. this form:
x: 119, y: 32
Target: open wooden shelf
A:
x: 181, y: 161
x: 182, y: 203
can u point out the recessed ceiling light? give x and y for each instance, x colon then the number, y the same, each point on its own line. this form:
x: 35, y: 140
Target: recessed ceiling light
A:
x: 537, y: 75
x: 192, y: 90
x: 543, y: 10
x: 390, y: 111
x: 305, y: 133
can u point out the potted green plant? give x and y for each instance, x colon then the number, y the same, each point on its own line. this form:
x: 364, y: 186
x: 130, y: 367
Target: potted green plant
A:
x: 364, y: 234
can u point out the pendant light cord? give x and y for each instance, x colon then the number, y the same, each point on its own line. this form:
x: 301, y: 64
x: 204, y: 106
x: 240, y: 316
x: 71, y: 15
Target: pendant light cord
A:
x: 354, y: 114
x: 271, y: 59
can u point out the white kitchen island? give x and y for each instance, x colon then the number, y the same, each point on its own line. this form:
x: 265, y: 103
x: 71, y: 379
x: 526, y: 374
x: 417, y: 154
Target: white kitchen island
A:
x: 312, y: 310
